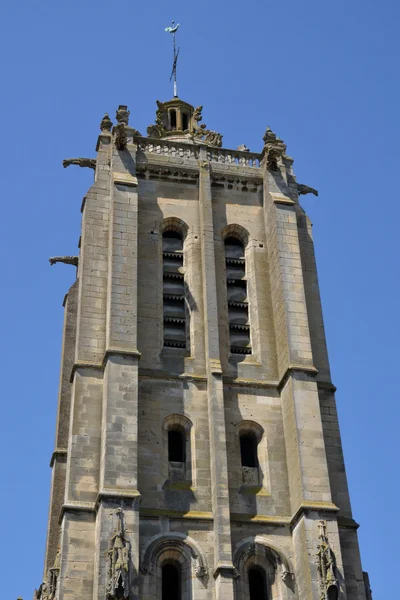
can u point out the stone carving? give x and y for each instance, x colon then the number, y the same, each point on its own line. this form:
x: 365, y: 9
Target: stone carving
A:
x: 304, y: 189
x: 48, y: 589
x: 121, y: 139
x: 326, y: 566
x: 243, y: 148
x: 67, y: 260
x: 213, y: 138
x: 196, y: 131
x: 106, y: 123
x: 54, y: 574
x: 204, y: 165
x: 159, y: 129
x: 118, y: 559
x: 250, y: 475
x: 197, y: 114
x: 200, y: 571
x: 122, y: 114
x: 90, y: 163
x: 274, y: 149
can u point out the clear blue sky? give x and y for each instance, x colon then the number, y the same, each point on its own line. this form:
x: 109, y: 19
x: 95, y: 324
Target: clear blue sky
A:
x: 325, y: 77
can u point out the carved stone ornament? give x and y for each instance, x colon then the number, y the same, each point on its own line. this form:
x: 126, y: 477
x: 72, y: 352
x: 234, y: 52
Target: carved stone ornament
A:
x: 121, y: 139
x: 89, y: 163
x: 326, y: 566
x: 200, y: 132
x: 195, y: 131
x: 48, y: 589
x: 54, y: 574
x: 67, y: 260
x: 106, y: 123
x: 274, y: 149
x: 122, y: 114
x: 204, y: 165
x: 160, y: 128
x: 304, y: 189
x: 118, y: 559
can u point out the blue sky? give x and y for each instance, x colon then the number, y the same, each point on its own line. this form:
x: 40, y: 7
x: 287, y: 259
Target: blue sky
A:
x: 325, y: 77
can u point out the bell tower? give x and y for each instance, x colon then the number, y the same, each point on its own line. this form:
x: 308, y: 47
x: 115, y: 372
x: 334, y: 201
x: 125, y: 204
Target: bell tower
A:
x: 198, y: 453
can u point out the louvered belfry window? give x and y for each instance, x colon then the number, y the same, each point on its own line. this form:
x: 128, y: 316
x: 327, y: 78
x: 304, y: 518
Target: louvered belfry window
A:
x: 174, y: 312
x: 238, y: 308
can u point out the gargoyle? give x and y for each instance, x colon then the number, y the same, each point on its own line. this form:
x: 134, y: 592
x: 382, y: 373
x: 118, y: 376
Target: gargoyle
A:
x: 67, y: 260
x: 304, y: 189
x: 90, y: 163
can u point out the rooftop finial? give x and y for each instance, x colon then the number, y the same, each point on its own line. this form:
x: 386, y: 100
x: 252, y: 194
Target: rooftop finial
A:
x: 173, y: 29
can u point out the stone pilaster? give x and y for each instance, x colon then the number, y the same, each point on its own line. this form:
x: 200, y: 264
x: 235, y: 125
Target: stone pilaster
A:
x: 305, y: 449
x: 119, y: 454
x: 224, y: 570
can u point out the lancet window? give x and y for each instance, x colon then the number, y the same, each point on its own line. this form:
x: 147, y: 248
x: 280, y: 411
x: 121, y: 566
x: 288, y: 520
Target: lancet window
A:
x: 238, y: 308
x: 174, y: 310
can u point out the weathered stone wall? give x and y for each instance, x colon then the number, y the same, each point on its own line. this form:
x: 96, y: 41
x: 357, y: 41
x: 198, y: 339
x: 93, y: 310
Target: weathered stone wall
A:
x: 125, y: 389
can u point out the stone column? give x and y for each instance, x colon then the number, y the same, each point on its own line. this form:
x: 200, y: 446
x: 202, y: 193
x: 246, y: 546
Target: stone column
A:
x: 310, y: 494
x: 224, y: 570
x: 118, y: 467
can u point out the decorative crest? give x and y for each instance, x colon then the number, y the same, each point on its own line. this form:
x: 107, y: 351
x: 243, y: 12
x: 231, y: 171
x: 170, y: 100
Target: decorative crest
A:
x: 326, y: 566
x: 173, y: 29
x: 118, y: 558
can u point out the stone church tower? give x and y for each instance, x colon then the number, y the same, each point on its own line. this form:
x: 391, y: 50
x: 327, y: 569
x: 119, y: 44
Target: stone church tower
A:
x: 198, y: 453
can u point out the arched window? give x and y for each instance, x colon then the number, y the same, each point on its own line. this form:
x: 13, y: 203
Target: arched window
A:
x: 176, y: 446
x: 257, y: 584
x: 178, y: 468
x: 174, y: 311
x: 248, y: 450
x: 171, y: 581
x: 185, y: 121
x: 238, y: 308
x: 253, y: 460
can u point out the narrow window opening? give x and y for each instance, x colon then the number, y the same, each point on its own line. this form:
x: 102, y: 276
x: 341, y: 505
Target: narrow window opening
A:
x: 174, y: 311
x: 171, y: 582
x: 257, y: 584
x: 185, y: 121
x: 176, y: 446
x: 248, y: 450
x: 172, y: 115
x: 238, y: 309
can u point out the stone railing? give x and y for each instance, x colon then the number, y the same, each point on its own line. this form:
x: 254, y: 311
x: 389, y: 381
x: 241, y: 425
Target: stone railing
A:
x: 234, y: 157
x: 168, y: 148
x: 221, y: 156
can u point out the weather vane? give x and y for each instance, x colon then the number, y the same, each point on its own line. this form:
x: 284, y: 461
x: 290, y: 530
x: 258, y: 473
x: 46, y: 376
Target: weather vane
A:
x: 173, y: 30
